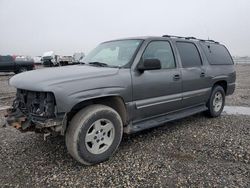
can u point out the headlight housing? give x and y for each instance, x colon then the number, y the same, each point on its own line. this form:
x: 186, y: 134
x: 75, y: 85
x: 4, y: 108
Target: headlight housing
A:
x: 35, y: 103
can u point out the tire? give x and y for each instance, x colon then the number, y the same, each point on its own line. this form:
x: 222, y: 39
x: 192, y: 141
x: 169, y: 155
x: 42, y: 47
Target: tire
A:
x: 94, y: 134
x: 216, y: 102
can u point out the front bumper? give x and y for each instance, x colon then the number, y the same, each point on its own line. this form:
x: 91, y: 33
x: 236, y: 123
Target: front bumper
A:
x: 34, y: 111
x: 15, y: 118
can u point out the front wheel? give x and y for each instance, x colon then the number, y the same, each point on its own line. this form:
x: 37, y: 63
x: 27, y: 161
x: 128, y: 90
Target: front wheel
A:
x: 216, y: 102
x: 94, y: 134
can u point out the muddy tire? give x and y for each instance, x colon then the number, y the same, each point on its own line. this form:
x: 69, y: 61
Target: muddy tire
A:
x: 216, y: 102
x: 94, y: 134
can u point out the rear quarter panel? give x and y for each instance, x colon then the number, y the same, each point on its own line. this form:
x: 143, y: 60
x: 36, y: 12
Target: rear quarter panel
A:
x: 223, y: 73
x: 219, y: 72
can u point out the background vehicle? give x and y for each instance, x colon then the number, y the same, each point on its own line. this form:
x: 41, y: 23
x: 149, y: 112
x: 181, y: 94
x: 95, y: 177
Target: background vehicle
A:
x: 10, y: 64
x: 50, y: 59
x: 125, y: 85
x: 77, y: 57
x: 23, y: 58
x: 38, y: 60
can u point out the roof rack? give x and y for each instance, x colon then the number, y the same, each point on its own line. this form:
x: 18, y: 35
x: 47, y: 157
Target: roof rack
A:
x: 190, y: 38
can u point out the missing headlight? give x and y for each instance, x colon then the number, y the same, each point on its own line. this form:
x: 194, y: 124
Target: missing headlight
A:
x: 35, y: 103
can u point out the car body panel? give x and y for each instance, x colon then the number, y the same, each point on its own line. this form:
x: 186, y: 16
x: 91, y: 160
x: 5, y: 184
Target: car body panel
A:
x: 74, y: 84
x: 146, y: 94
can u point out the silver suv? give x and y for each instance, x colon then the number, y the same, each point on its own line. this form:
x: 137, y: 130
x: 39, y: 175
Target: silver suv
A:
x: 123, y: 86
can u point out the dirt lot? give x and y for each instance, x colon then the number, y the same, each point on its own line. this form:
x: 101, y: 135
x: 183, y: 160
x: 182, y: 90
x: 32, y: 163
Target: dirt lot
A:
x: 196, y: 151
x: 241, y: 96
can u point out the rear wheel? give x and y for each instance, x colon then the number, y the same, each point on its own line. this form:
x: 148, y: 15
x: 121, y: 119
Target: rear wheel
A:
x: 94, y: 134
x: 216, y: 102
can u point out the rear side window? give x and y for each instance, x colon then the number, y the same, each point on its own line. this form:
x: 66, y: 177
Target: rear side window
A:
x: 216, y: 54
x: 189, y: 54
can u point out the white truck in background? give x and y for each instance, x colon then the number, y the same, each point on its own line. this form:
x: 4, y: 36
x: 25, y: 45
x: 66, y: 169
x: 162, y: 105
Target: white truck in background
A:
x: 50, y: 59
x: 78, y: 56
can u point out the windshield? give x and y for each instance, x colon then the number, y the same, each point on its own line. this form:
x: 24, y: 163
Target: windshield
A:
x: 113, y: 54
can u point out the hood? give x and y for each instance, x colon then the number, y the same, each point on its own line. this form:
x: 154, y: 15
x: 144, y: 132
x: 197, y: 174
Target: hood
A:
x: 43, y: 79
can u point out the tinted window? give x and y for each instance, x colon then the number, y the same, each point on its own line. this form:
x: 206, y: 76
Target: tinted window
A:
x: 216, y: 54
x: 160, y: 50
x: 6, y: 58
x: 190, y: 56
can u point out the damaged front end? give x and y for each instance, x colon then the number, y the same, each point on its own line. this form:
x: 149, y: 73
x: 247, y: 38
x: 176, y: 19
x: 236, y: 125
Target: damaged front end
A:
x: 35, y: 111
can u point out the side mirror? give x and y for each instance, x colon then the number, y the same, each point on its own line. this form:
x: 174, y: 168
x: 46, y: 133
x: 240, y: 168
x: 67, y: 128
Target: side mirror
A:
x: 149, y: 64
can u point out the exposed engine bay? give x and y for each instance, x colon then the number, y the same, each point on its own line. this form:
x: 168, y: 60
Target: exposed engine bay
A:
x: 40, y: 104
x: 34, y: 111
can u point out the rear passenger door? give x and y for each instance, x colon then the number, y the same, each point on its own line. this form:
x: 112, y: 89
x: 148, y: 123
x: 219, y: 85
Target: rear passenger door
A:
x: 195, y: 82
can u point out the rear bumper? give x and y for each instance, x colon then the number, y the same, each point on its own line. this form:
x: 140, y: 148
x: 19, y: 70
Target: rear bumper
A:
x: 230, y: 88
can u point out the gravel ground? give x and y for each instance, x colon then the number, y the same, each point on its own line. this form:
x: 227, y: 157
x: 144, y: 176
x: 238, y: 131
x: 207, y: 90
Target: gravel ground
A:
x: 192, y: 152
x: 7, y: 93
x: 241, y: 96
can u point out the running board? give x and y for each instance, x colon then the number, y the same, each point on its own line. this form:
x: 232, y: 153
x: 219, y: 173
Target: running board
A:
x: 155, y: 122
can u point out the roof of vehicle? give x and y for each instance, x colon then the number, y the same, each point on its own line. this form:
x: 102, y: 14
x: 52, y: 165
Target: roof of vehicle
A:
x: 133, y: 38
x: 49, y: 53
x: 166, y: 36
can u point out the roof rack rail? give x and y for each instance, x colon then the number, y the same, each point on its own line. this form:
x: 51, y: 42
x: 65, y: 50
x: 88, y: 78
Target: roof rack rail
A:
x: 212, y: 41
x: 172, y: 36
x: 190, y: 38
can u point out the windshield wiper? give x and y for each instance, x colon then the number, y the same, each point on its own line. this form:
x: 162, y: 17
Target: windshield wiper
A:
x: 100, y: 64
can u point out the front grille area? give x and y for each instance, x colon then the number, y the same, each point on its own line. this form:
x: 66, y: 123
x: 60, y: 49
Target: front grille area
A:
x: 34, y: 103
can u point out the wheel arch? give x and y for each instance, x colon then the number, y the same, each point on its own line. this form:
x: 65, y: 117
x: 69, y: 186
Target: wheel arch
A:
x: 115, y: 102
x: 222, y: 83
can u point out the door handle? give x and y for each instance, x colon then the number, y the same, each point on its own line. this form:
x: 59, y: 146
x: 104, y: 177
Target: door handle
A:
x: 177, y: 77
x: 202, y: 74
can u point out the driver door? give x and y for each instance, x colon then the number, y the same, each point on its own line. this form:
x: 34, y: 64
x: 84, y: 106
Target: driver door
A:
x: 157, y: 92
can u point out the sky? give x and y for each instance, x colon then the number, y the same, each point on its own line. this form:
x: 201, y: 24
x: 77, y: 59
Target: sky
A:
x: 32, y: 27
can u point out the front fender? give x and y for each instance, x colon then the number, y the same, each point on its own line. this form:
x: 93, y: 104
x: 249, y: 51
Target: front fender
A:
x: 66, y: 102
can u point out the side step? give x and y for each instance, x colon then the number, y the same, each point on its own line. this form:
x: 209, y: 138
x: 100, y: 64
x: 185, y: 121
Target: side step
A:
x: 147, y: 124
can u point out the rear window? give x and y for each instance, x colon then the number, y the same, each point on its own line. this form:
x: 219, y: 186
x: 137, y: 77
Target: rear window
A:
x: 217, y: 54
x: 189, y: 54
